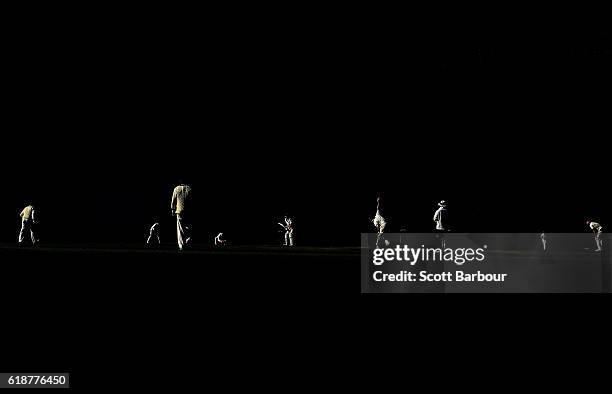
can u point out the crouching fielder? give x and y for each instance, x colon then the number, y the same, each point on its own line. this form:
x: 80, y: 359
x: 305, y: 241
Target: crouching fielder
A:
x: 219, y: 240
x: 288, y: 226
x: 28, y: 219
x: 597, y: 230
x: 154, y: 234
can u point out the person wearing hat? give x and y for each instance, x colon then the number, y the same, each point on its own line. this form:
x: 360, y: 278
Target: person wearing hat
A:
x: 28, y: 219
x: 440, y: 216
x: 597, y: 230
x: 440, y: 219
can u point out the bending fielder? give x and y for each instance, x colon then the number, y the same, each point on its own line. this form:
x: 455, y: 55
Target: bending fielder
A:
x: 597, y: 230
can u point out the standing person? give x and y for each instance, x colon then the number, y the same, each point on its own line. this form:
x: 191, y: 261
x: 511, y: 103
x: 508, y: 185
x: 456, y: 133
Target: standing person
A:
x: 288, y: 226
x: 154, y: 234
x: 597, y: 230
x: 179, y: 206
x: 543, y: 239
x: 28, y: 219
x: 440, y: 219
x: 379, y: 222
x: 440, y: 216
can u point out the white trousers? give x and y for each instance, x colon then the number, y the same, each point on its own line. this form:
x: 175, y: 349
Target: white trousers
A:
x: 598, y: 240
x: 289, y: 238
x: 26, y: 226
x: 183, y: 232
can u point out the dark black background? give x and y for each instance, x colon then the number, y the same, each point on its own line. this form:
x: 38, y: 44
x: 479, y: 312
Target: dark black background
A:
x: 311, y: 113
x: 102, y: 121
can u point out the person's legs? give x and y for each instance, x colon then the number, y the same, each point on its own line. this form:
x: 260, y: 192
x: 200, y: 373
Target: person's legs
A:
x: 291, y: 238
x: 180, y: 232
x: 24, y: 228
x: 183, y: 231
x: 32, y: 235
x: 598, y: 240
x: 286, y: 238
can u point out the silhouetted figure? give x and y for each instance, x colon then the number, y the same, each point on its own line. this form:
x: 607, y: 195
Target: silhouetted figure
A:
x: 440, y: 216
x: 288, y: 226
x: 543, y: 239
x: 379, y: 222
x: 154, y: 234
x: 28, y: 220
x: 440, y: 219
x: 597, y: 230
x: 179, y: 205
x: 219, y: 240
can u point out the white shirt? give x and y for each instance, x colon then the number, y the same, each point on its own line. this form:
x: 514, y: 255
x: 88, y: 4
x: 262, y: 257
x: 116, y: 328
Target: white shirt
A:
x: 219, y: 240
x: 595, y: 226
x: 438, y: 218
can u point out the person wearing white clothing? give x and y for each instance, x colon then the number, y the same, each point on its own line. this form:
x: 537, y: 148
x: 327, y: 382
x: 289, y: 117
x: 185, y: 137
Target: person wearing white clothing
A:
x: 379, y: 221
x: 288, y: 226
x: 219, y: 240
x: 440, y: 219
x: 154, y: 234
x: 28, y: 219
x: 179, y: 205
x: 440, y: 216
x: 597, y: 229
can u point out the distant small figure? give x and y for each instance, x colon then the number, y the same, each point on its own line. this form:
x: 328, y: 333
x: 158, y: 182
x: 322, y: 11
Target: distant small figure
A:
x: 379, y: 222
x: 154, y: 234
x: 597, y: 230
x: 440, y: 219
x: 543, y: 239
x: 219, y: 240
x: 440, y: 216
x: 28, y: 219
x: 288, y: 226
x: 179, y: 206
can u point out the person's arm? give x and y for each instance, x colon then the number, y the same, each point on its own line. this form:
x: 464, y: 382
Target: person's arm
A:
x: 33, y: 216
x: 173, y: 202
